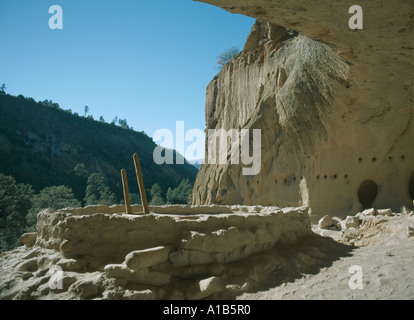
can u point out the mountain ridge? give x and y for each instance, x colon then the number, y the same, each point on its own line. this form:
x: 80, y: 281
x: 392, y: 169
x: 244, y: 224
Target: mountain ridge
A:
x: 41, y: 145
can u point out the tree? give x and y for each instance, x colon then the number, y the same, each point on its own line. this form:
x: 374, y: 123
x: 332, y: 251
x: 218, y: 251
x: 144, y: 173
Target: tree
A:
x: 79, y: 180
x: 170, y: 195
x: 134, y: 198
x: 97, y: 192
x: 56, y: 197
x: 15, y: 202
x: 227, y: 55
x: 181, y: 194
x: 80, y: 170
x: 3, y: 89
x: 123, y: 123
x: 101, y: 119
x: 156, y: 195
x: 86, y: 110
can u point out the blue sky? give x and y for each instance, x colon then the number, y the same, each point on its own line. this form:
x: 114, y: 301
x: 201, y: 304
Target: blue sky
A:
x: 145, y: 61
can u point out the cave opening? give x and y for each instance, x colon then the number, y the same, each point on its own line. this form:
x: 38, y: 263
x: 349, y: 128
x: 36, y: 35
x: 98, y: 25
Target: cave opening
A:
x: 411, y: 186
x: 367, y: 193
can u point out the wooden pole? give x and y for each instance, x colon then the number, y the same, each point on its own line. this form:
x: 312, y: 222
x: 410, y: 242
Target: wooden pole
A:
x: 126, y: 192
x: 141, y: 185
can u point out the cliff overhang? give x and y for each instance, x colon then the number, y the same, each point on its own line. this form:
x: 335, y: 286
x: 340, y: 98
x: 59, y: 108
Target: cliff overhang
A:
x: 334, y: 105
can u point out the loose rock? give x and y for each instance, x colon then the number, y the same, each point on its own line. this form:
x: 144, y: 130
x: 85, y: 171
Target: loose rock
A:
x: 370, y: 212
x: 325, y: 222
x: 350, y: 222
x: 29, y: 239
x: 147, y: 258
x: 205, y: 288
x: 385, y: 212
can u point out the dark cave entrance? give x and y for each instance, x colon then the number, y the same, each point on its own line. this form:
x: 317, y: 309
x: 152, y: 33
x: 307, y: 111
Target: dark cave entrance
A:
x: 411, y: 186
x: 367, y: 193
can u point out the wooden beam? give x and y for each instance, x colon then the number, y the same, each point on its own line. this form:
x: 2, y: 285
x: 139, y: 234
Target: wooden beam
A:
x: 126, y: 192
x: 141, y: 185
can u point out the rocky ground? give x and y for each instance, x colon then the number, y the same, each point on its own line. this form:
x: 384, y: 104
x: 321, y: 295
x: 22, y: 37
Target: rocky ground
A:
x: 381, y: 244
x: 369, y: 256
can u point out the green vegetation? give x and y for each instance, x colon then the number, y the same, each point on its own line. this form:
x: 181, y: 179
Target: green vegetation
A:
x: 3, y: 89
x: 41, y: 144
x: 48, y: 103
x: 80, y: 170
x: 97, y: 192
x: 19, y: 204
x: 51, y: 158
x: 52, y: 197
x: 181, y: 194
x: 226, y: 56
x: 15, y: 201
x: 156, y: 195
x: 134, y: 198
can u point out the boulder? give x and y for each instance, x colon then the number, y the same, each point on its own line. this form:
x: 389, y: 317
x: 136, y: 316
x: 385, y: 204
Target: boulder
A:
x: 139, y: 295
x: 325, y: 222
x: 66, y: 246
x: 205, y: 288
x: 61, y: 282
x: 336, y: 222
x: 84, y: 289
x: 72, y: 264
x: 385, y: 212
x: 29, y: 239
x: 118, y: 271
x: 405, y: 210
x: 141, y: 259
x: 350, y: 222
x: 369, y: 212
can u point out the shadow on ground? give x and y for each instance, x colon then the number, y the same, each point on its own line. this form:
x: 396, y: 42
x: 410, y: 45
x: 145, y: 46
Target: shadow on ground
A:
x: 285, y: 264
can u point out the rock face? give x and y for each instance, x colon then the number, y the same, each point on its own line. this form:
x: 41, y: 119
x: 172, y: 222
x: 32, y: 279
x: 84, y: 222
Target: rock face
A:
x: 335, y: 107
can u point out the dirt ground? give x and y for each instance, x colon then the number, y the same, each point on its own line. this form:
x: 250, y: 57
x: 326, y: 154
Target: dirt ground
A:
x: 379, y: 265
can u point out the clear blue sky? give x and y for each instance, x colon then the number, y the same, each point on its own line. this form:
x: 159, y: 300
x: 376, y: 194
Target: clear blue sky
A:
x: 147, y: 61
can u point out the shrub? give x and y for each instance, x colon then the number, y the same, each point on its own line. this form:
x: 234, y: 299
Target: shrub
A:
x: 227, y: 55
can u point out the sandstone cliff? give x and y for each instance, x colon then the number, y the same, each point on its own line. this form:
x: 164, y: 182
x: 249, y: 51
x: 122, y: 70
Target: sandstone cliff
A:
x: 334, y: 105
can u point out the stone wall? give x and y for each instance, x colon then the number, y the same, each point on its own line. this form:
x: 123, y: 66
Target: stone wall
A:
x: 194, y: 235
x: 179, y: 252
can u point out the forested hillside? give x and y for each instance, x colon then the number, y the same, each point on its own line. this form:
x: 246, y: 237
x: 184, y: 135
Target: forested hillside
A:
x: 42, y: 145
x: 51, y: 158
